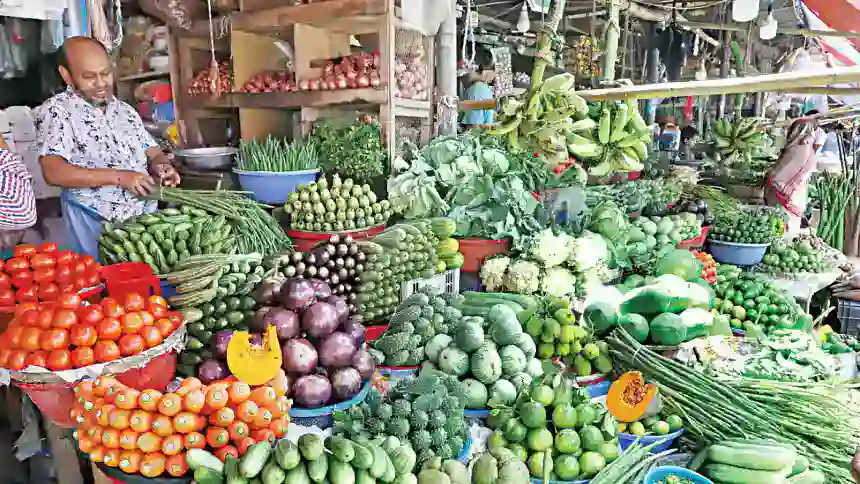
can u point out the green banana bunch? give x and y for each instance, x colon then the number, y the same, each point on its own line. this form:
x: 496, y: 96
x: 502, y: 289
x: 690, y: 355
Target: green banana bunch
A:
x: 541, y: 121
x: 743, y: 139
x: 618, y: 141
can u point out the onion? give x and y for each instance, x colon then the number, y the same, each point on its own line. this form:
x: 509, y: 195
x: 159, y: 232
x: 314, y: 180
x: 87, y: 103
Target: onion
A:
x: 286, y: 323
x: 312, y: 391
x: 365, y: 364
x: 340, y: 82
x: 297, y: 294
x: 220, y: 342
x: 321, y: 289
x: 212, y: 370
x: 319, y: 320
x: 354, y: 328
x: 337, y: 350
x: 339, y: 307
x: 299, y: 357
x: 314, y: 84
x: 346, y: 383
x: 363, y: 81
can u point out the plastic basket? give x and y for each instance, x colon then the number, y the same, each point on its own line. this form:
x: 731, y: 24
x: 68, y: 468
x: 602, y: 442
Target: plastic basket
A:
x: 274, y: 187
x: 697, y: 241
x: 597, y: 385
x: 737, y: 254
x: 322, y: 417
x: 304, y: 241
x: 658, y: 475
x: 447, y: 282
x: 391, y: 373
x: 848, y: 313
x: 475, y: 251
x: 130, y: 278
x: 117, y: 476
x: 626, y: 440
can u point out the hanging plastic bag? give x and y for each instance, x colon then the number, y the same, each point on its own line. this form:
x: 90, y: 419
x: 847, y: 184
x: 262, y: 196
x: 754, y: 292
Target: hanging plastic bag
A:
x: 176, y: 13
x: 7, y: 69
x: 17, y: 35
x: 52, y: 36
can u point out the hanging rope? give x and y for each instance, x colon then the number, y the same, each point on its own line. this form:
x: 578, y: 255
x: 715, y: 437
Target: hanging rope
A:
x: 214, y: 71
x: 468, y: 37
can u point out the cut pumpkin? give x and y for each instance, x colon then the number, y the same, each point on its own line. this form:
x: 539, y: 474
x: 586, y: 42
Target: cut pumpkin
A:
x: 630, y: 399
x: 254, y: 365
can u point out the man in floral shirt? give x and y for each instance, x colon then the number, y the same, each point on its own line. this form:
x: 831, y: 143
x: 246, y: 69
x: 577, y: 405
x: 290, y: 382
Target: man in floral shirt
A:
x: 96, y: 148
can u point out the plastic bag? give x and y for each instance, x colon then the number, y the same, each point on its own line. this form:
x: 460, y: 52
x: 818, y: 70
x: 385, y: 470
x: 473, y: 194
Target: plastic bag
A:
x: 7, y: 69
x: 17, y: 34
x: 176, y: 13
x: 52, y: 36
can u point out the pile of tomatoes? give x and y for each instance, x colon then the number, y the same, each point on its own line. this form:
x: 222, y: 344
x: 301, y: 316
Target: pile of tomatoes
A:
x: 68, y: 333
x: 709, y: 266
x: 148, y: 432
x: 43, y: 273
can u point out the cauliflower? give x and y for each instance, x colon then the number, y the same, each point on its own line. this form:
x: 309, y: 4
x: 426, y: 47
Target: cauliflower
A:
x: 558, y: 281
x: 493, y: 273
x: 523, y: 277
x: 589, y: 251
x: 551, y: 249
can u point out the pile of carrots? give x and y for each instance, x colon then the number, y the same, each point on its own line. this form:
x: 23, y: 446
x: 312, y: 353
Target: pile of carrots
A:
x: 148, y: 432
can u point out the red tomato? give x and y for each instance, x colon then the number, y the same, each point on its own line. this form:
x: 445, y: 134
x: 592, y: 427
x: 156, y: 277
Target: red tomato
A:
x: 174, y: 318
x: 109, y: 329
x: 67, y: 288
x: 66, y: 257
x: 22, y: 278
x: 132, y: 323
x: 60, y: 360
x: 5, y: 280
x: 78, y: 268
x: 133, y: 302
x: 7, y: 297
x: 4, y: 357
x: 29, y: 318
x: 92, y: 279
x: 83, y: 356
x: 43, y: 261
x: 43, y: 274
x: 31, y: 339
x: 106, y: 351
x: 27, y: 294
x: 164, y: 326
x: 37, y: 358
x: 49, y: 248
x: 156, y: 301
x: 89, y: 262
x: 2, y: 265
x: 90, y: 314
x: 69, y: 300
x: 84, y: 335
x: 24, y: 250
x: 63, y: 274
x: 17, y: 360
x: 131, y: 344
x: 48, y: 291
x: 111, y: 308
x: 55, y: 339
x: 151, y: 336
x: 17, y: 264
x: 14, y: 335
x: 45, y: 319
x: 64, y: 318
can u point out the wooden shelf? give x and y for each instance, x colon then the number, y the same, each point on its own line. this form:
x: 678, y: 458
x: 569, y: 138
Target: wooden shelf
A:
x: 310, y: 99
x: 145, y: 76
x: 349, y: 16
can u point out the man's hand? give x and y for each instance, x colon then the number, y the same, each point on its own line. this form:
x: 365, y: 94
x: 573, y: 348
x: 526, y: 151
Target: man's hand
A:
x: 855, y: 466
x: 138, y: 183
x: 167, y: 173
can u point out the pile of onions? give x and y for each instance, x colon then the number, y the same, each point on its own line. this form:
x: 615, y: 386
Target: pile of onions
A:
x: 273, y: 81
x: 351, y: 72
x: 202, y: 81
x: 321, y: 343
x: 410, y: 72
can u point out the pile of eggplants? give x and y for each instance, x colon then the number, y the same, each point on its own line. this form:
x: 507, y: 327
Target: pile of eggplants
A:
x: 322, y: 344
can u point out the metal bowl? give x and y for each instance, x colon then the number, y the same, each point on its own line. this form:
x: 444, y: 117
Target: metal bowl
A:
x: 216, y: 158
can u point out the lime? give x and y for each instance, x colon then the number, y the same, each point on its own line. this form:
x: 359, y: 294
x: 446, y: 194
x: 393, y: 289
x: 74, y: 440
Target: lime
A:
x: 675, y: 423
x: 566, y: 467
x: 637, y: 429
x: 661, y: 428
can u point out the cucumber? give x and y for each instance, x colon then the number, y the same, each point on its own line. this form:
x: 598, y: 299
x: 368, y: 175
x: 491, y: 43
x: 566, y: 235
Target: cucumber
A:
x: 756, y: 457
x: 341, y: 448
x: 317, y: 469
x: 205, y: 475
x: 198, y: 458
x: 739, y: 475
x: 254, y: 459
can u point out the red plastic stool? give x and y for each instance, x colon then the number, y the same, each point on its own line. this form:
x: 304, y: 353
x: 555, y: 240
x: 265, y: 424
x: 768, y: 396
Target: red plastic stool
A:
x: 130, y: 278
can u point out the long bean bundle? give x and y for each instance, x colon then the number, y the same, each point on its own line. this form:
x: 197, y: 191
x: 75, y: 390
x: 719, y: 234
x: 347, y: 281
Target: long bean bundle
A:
x: 276, y: 155
x: 256, y: 230
x: 631, y: 466
x: 835, y: 192
x: 808, y: 417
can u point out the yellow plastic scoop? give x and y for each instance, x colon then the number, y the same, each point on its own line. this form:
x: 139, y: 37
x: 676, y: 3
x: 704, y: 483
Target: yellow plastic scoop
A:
x: 254, y: 365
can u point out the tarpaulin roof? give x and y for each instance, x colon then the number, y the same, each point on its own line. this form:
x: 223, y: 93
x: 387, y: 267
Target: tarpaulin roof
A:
x: 841, y: 15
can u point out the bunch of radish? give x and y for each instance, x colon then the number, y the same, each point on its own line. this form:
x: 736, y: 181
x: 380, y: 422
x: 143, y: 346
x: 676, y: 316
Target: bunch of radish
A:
x: 351, y: 72
x: 202, y: 81
x: 273, y: 81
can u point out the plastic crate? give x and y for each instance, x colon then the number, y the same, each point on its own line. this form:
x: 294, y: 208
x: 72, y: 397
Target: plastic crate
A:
x: 697, y: 241
x: 446, y: 282
x: 848, y: 313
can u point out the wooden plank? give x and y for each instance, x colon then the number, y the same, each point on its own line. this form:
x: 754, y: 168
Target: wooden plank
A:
x: 315, y: 99
x: 765, y: 83
x: 330, y: 14
x: 144, y: 76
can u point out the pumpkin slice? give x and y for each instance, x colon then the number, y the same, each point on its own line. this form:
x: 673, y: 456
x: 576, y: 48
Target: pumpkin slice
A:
x: 630, y: 399
x: 254, y: 365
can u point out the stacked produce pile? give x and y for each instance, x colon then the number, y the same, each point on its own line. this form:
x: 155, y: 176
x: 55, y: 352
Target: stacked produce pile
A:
x: 797, y: 256
x: 753, y: 303
x: 556, y: 431
x: 650, y: 238
x: 616, y: 140
x: 420, y: 319
x: 154, y: 433
x: 321, y: 344
x: 67, y: 333
x: 696, y: 206
x: 277, y: 155
x: 742, y: 153
x: 656, y: 425
x: 401, y: 253
x: 750, y: 227
x: 203, y: 83
x: 355, y: 151
x: 272, y: 81
x: 634, y: 196
x: 426, y: 411
x: 709, y: 266
x: 44, y: 273
x: 349, y: 72
x: 742, y: 460
x: 335, y: 207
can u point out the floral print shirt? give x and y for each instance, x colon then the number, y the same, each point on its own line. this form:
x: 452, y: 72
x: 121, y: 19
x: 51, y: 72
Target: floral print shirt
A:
x: 92, y: 137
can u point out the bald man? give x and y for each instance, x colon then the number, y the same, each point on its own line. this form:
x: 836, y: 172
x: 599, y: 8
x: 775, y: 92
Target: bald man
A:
x: 96, y: 148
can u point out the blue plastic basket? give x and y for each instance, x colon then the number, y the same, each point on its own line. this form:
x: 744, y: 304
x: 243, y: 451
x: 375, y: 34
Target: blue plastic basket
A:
x: 464, y: 452
x: 274, y: 187
x: 322, y: 417
x: 659, y: 473
x: 626, y: 440
x: 737, y: 254
x: 540, y: 481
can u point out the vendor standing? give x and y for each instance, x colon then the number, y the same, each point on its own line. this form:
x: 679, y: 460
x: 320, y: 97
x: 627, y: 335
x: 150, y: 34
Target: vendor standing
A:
x: 17, y: 199
x: 477, y: 88
x: 96, y: 148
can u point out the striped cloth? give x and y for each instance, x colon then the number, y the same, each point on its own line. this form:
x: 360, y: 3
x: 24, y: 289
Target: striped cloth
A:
x: 17, y: 200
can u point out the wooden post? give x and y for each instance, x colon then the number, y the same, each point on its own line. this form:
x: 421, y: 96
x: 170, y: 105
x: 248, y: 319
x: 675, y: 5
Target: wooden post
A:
x: 724, y: 71
x: 544, y: 50
x: 610, y: 52
x: 446, y: 70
